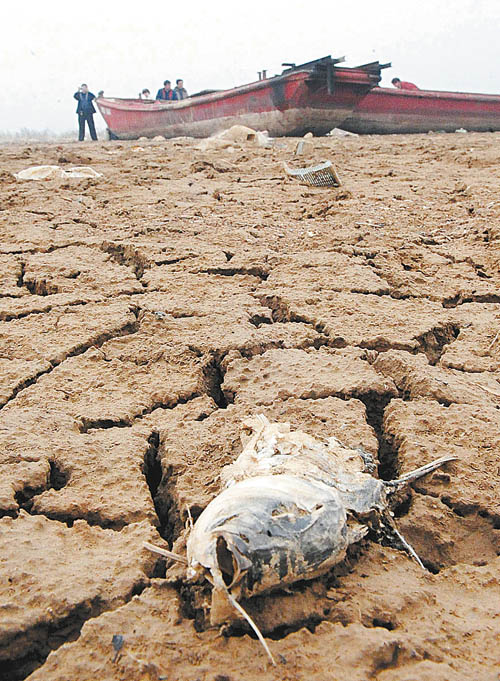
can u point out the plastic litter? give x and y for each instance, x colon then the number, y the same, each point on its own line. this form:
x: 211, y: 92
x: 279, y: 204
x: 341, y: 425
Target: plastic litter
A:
x: 321, y: 175
x: 50, y: 172
x: 338, y: 132
x: 117, y: 642
x: 304, y: 146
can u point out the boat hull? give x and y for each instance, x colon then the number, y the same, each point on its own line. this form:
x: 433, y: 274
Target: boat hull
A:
x: 389, y: 111
x: 287, y: 105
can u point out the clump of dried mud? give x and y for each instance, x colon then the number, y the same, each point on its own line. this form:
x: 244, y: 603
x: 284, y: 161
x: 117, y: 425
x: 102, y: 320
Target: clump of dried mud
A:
x: 144, y: 315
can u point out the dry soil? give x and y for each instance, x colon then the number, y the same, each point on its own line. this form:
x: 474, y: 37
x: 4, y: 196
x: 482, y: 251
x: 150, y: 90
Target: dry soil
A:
x: 145, y: 314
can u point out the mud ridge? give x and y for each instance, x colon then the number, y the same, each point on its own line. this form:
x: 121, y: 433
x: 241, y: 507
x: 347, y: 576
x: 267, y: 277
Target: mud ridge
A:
x: 434, y: 341
x: 479, y: 269
x: 281, y: 313
x: 126, y: 255
x: 41, y: 288
x: 25, y: 384
x: 172, y: 261
x: 258, y: 320
x: 162, y: 479
x: 91, y: 518
x: 86, y: 425
x: 25, y: 497
x: 48, y: 249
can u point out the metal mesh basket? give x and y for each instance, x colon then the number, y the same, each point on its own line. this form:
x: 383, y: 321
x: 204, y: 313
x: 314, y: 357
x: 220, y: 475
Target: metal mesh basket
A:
x: 322, y: 175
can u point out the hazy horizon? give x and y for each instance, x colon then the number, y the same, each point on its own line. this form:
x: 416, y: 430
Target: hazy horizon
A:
x: 48, y: 50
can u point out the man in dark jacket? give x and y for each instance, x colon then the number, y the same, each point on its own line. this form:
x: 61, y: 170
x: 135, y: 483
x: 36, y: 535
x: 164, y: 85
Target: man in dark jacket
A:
x: 180, y: 90
x: 166, y: 92
x: 85, y: 111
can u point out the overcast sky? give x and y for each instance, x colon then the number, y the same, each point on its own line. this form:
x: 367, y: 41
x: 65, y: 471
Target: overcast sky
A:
x: 49, y: 47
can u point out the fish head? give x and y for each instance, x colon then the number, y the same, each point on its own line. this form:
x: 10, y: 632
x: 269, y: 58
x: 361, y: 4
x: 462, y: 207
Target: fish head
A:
x: 217, y: 556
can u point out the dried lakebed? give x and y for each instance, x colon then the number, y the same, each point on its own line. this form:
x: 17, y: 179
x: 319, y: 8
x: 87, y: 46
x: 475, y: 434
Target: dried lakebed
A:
x: 146, y: 314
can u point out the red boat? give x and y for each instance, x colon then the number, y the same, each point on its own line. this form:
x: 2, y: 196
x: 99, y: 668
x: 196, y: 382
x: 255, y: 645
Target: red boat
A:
x: 386, y: 111
x: 313, y: 97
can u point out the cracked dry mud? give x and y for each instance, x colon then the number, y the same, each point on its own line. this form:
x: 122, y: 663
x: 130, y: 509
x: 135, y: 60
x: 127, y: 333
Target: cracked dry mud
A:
x: 143, y: 316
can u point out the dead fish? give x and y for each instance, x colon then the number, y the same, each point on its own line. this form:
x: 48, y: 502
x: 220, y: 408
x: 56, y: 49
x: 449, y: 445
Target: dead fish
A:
x: 291, y: 507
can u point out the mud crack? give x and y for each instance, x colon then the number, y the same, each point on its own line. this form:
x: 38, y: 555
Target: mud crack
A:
x: 459, y: 299
x: 254, y: 270
x: 124, y: 330
x: 153, y: 472
x: 127, y: 255
x: 86, y: 424
x: 375, y: 405
x: 213, y: 373
x: 56, y: 479
x: 44, y: 638
x: 281, y: 312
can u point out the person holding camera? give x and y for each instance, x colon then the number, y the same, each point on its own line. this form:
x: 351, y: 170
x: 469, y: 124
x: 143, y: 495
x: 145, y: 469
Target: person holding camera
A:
x: 85, y: 111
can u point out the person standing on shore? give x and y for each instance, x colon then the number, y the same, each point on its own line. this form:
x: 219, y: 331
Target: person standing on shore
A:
x: 85, y: 111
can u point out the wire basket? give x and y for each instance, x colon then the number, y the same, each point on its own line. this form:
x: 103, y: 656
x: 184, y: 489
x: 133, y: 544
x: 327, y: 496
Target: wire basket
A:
x: 322, y: 175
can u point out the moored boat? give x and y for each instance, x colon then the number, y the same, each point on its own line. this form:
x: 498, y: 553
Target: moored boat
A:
x: 388, y: 111
x: 313, y: 97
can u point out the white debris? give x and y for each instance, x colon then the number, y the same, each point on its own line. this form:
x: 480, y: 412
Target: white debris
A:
x: 337, y: 132
x: 182, y: 141
x: 262, y: 139
x: 236, y: 135
x: 51, y: 172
